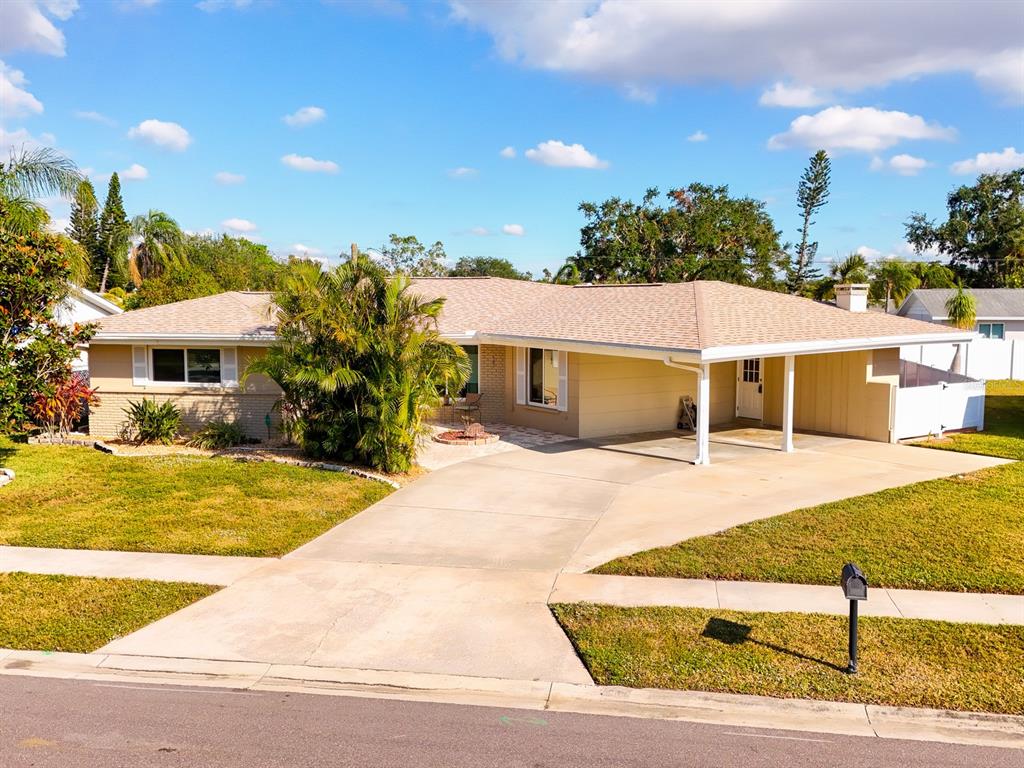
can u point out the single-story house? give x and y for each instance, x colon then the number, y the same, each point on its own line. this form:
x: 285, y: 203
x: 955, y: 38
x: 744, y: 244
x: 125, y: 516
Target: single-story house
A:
x: 999, y: 311
x: 584, y: 360
x: 84, y: 306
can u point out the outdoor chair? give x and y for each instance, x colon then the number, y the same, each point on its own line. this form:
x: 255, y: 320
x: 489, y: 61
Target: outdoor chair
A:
x: 468, y: 406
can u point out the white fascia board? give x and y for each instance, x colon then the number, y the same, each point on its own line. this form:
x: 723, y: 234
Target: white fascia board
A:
x: 206, y: 339
x: 591, y: 347
x: 464, y: 336
x: 986, y: 319
x: 717, y: 354
x: 87, y: 296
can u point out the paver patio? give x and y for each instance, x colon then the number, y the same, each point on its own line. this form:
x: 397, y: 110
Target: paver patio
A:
x: 452, y: 574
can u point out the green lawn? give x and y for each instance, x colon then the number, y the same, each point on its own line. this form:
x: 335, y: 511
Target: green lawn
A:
x: 963, y: 533
x: 902, y: 662
x: 71, y: 613
x: 80, y: 498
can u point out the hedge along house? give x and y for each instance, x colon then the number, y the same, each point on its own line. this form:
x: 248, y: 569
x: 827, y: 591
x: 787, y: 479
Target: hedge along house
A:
x: 586, y: 361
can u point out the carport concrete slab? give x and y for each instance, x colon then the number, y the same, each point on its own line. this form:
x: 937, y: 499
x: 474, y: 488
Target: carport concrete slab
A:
x: 452, y: 537
x: 371, y: 616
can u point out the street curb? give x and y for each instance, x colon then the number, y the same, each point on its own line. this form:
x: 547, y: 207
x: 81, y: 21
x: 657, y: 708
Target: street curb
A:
x: 975, y: 729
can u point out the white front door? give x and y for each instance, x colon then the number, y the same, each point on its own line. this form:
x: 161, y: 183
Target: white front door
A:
x: 749, y: 388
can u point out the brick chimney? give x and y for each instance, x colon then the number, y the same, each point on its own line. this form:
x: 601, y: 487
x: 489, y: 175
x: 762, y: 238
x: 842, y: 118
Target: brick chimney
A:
x: 853, y: 297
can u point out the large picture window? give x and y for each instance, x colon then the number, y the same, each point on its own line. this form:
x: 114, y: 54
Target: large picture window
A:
x: 542, y: 377
x: 187, y: 366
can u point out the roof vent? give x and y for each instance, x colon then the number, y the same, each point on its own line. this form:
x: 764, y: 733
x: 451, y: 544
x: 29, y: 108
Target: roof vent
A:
x: 853, y: 297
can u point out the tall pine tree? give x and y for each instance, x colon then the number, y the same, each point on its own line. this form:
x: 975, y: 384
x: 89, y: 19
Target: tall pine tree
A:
x: 811, y: 196
x: 114, y: 233
x: 84, y: 227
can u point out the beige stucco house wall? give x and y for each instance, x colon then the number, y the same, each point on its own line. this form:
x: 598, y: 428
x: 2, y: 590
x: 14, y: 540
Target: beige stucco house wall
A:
x: 110, y: 367
x: 843, y: 393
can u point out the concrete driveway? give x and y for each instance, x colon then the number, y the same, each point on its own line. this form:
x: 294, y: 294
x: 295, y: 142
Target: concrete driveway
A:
x: 452, y: 574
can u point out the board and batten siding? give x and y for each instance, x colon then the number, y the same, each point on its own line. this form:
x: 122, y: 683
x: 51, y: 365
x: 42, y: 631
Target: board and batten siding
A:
x: 840, y: 393
x: 119, y: 372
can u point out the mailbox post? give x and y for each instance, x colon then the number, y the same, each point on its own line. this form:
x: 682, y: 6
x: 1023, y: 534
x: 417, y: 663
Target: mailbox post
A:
x: 855, y: 588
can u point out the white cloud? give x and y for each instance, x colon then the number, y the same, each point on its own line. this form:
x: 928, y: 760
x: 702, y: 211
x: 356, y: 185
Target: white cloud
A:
x: 697, y: 136
x: 1004, y: 73
x: 239, y: 225
x: 26, y: 27
x: 841, y: 45
x: 990, y: 162
x: 305, y: 250
x: 162, y: 134
x: 782, y: 95
x: 868, y: 253
x: 309, y: 164
x: 462, y: 172
x: 20, y: 138
x: 134, y: 172
x: 95, y: 117
x: 561, y: 155
x: 58, y: 224
x: 860, y: 129
x: 643, y: 94
x: 508, y: 152
x: 227, y: 178
x: 305, y: 116
x: 904, y: 165
x: 212, y: 6
x: 15, y: 101
x: 516, y: 230
x: 480, y: 231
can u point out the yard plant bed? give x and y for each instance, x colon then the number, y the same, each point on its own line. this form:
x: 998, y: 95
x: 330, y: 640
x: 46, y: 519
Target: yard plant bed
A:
x: 79, y: 615
x: 78, y: 498
x: 902, y: 662
x: 962, y: 533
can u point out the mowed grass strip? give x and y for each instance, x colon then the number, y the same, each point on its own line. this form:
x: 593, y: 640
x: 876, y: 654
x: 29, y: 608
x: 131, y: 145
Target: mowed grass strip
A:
x: 79, y: 615
x: 963, y: 533
x: 902, y: 662
x: 79, y: 498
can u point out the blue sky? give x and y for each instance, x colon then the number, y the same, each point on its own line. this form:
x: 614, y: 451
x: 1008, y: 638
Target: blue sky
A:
x: 413, y: 103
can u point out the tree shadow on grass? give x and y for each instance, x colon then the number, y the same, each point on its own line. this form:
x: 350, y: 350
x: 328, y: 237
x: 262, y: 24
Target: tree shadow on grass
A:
x: 734, y: 633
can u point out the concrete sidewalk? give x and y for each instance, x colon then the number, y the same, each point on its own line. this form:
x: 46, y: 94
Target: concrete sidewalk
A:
x: 1006, y: 731
x: 158, y: 566
x: 803, y: 598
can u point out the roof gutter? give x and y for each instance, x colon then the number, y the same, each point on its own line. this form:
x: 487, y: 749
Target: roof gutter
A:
x: 207, y: 338
x: 740, y: 352
x: 589, y: 347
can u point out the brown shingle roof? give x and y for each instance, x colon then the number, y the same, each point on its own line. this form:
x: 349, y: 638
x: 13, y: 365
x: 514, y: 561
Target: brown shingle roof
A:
x: 235, y: 314
x: 673, y: 316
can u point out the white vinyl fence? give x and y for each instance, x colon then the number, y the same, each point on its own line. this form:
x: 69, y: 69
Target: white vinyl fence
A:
x: 933, y: 409
x: 983, y: 358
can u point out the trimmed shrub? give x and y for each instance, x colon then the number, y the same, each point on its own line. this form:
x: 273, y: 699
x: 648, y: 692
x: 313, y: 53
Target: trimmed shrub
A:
x: 151, y: 422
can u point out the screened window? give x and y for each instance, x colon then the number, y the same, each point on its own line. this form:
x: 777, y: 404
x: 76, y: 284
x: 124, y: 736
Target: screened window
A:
x: 991, y: 330
x: 542, y: 376
x: 192, y: 366
x: 473, y: 385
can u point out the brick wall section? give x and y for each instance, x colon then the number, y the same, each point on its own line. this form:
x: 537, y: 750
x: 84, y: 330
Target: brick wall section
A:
x: 249, y: 410
x: 492, y: 382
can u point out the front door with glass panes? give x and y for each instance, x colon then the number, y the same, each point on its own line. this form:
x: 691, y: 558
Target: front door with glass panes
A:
x: 749, y: 388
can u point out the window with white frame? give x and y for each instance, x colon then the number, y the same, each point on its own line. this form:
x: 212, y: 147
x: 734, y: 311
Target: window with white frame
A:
x: 542, y: 377
x: 186, y: 366
x: 992, y: 330
x: 473, y: 384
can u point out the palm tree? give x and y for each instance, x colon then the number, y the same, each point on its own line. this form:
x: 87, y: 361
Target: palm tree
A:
x: 360, y: 362
x: 891, y: 281
x: 852, y: 269
x: 28, y: 175
x: 932, y: 274
x: 962, y: 311
x: 158, y: 246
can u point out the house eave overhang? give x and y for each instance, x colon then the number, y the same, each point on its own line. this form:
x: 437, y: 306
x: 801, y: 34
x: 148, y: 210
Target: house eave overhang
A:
x: 590, y: 347
x: 188, y: 338
x: 818, y: 346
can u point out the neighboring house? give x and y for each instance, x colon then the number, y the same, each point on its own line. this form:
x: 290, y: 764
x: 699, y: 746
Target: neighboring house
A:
x: 84, y: 306
x: 999, y: 311
x: 586, y: 361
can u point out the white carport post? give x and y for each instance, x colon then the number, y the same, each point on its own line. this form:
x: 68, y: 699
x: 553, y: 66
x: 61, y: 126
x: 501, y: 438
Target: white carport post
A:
x: 788, y: 377
x: 703, y: 414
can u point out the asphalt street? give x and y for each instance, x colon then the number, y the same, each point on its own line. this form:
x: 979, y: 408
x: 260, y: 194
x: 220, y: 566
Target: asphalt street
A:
x: 70, y: 723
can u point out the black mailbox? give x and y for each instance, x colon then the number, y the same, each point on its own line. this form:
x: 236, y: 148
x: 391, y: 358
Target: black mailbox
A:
x: 854, y: 583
